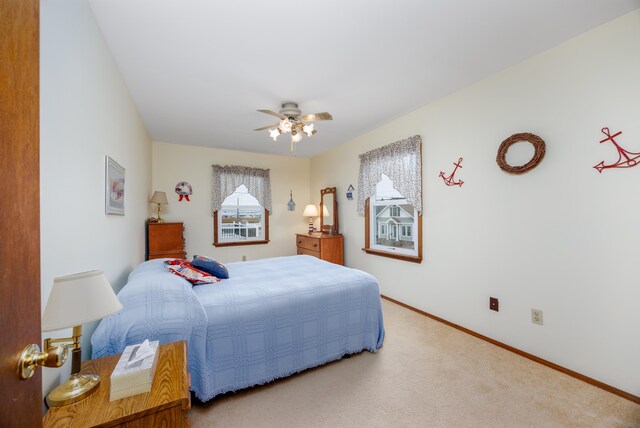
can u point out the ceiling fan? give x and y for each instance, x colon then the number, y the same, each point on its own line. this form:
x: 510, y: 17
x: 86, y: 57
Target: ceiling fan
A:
x: 292, y: 121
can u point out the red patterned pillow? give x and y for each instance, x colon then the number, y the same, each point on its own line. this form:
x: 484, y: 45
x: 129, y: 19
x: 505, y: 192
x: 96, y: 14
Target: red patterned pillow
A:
x: 186, y: 270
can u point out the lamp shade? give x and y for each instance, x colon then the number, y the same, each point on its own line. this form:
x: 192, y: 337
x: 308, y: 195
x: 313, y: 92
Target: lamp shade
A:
x: 159, y: 198
x: 310, y: 211
x: 77, y: 299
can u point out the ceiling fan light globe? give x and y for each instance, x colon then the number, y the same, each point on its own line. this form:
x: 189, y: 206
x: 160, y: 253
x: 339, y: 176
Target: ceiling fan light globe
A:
x: 285, y: 125
x: 273, y: 133
x: 296, y: 137
x: 308, y: 129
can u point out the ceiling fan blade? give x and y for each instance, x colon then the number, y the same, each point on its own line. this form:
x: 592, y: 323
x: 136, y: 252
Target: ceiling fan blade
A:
x: 316, y: 116
x: 267, y: 127
x: 273, y: 113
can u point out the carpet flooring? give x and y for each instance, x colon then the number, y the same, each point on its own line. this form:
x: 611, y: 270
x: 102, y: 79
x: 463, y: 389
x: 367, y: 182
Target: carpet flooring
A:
x: 426, y: 375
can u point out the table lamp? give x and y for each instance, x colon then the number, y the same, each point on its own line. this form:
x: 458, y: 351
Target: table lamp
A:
x: 310, y: 211
x: 159, y: 198
x: 74, y: 300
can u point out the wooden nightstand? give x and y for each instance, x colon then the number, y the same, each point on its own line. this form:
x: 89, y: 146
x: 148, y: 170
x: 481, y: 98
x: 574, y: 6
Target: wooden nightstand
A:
x: 324, y: 246
x: 165, y: 405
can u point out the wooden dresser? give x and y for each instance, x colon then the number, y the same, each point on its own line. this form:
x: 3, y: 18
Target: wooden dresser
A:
x: 165, y: 240
x: 165, y: 405
x: 324, y: 246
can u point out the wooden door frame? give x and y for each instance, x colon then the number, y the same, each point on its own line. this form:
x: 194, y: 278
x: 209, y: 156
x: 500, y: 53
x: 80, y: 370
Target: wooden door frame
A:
x: 20, y: 400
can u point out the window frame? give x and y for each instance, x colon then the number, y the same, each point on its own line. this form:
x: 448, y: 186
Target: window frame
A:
x: 218, y: 243
x: 393, y: 255
x: 382, y: 229
x: 407, y: 228
x: 217, y: 223
x: 367, y: 226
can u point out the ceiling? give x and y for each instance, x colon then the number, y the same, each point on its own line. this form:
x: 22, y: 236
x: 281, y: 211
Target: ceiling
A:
x: 199, y: 69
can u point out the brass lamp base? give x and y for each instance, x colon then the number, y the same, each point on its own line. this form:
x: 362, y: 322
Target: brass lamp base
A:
x: 78, y: 387
x: 159, y: 219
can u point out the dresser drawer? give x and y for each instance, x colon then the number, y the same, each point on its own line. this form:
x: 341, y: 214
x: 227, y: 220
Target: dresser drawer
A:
x: 165, y: 237
x: 165, y: 240
x: 325, y: 246
x: 309, y: 243
x: 168, y: 255
x: 308, y: 252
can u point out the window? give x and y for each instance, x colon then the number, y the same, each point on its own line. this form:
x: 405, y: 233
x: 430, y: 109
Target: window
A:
x: 241, y: 218
x: 406, y: 233
x: 383, y: 229
x: 241, y: 200
x: 390, y: 199
x: 392, y: 220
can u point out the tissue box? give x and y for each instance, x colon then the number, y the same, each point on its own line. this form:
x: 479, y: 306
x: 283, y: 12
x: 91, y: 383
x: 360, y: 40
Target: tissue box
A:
x: 135, y: 379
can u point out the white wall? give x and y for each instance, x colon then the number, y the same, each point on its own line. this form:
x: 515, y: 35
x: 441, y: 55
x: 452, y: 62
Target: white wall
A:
x: 86, y: 113
x: 561, y: 238
x: 173, y: 163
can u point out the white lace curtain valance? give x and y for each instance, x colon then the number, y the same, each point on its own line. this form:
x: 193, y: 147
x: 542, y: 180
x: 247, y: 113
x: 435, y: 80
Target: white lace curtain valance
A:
x: 226, y: 180
x: 401, y: 162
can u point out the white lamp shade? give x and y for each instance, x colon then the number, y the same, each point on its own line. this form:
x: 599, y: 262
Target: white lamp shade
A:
x: 159, y: 198
x: 77, y: 299
x: 310, y: 211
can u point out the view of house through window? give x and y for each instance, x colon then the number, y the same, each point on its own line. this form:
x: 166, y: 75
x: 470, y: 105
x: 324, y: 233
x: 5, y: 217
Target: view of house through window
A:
x: 393, y: 220
x: 241, y: 217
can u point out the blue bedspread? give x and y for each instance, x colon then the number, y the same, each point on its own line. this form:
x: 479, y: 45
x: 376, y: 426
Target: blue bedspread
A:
x: 271, y: 318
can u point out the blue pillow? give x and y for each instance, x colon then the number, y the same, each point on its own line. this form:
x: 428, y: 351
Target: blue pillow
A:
x: 211, y: 266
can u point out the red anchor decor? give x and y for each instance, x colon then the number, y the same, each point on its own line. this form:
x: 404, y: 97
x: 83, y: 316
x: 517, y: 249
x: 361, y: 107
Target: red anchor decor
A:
x: 450, y: 181
x: 626, y: 159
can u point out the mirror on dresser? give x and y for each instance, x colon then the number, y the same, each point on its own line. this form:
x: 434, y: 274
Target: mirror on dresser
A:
x: 327, y: 245
x: 328, y: 210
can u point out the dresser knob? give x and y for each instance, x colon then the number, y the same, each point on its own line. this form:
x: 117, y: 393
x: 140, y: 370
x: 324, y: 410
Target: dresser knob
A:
x: 315, y: 245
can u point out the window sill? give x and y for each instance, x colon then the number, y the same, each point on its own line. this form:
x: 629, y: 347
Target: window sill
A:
x: 404, y: 257
x: 235, y: 244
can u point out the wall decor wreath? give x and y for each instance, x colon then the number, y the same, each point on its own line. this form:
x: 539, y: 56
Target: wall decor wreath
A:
x: 538, y: 145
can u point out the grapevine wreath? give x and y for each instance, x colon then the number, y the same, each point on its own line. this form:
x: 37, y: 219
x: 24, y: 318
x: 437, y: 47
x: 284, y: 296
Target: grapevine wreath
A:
x: 538, y: 145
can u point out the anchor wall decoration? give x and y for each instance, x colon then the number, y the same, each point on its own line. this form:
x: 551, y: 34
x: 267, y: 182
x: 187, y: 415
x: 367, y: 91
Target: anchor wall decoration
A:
x: 450, y: 181
x: 626, y: 159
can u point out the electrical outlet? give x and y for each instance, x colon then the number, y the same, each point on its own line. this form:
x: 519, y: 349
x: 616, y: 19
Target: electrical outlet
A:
x: 536, y: 316
x: 494, y: 305
x: 244, y: 258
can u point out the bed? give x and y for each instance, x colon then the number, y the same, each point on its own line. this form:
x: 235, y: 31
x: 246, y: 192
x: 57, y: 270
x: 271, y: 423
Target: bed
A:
x: 272, y: 318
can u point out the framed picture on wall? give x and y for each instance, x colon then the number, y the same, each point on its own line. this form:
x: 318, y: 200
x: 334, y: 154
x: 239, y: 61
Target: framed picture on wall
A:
x: 114, y: 187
